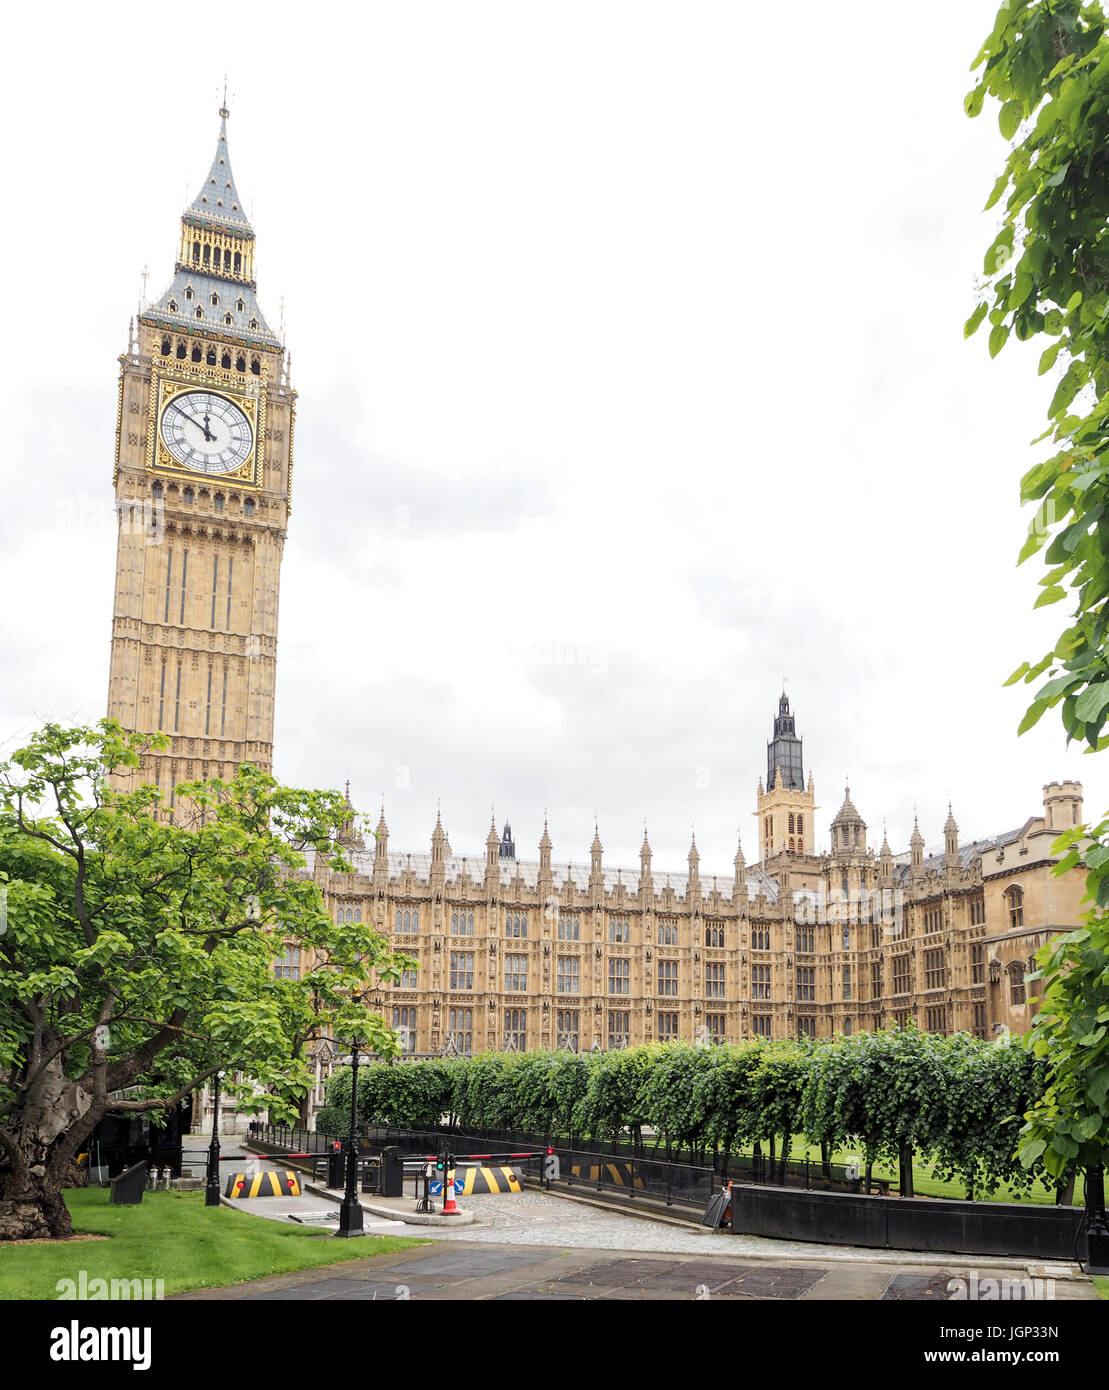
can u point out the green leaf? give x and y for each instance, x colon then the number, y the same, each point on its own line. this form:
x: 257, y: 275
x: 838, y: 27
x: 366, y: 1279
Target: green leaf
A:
x: 1047, y: 360
x: 1050, y: 595
x: 1021, y: 669
x: 1092, y: 702
x: 1022, y: 288
x: 974, y: 99
x: 972, y: 324
x: 1055, y: 179
x: 998, y: 336
x: 1009, y: 118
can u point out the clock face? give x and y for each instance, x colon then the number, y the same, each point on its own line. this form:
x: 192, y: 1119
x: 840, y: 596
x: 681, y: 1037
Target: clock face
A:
x: 206, y: 432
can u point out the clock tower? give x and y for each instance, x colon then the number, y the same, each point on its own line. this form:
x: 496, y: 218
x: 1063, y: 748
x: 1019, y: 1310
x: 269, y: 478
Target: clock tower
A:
x: 203, y: 468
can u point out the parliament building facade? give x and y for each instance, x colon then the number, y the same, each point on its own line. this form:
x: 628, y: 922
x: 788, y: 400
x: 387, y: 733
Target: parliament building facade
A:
x: 532, y: 951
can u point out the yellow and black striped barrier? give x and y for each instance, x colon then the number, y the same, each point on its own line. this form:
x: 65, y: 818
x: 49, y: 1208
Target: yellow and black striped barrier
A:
x: 619, y: 1174
x: 479, y: 1180
x: 265, y: 1184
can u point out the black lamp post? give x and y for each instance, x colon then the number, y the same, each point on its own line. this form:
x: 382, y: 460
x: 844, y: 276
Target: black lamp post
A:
x: 350, y: 1210
x: 1097, y: 1232
x: 211, y: 1190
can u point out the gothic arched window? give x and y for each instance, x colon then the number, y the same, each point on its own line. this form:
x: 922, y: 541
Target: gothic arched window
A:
x: 1015, y: 898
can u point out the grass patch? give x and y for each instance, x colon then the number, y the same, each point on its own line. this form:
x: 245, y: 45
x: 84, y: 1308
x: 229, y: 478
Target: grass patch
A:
x: 1101, y: 1283
x: 174, y: 1237
x: 925, y: 1185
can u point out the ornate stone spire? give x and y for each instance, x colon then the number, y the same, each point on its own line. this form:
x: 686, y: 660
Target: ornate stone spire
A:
x: 645, y: 879
x: 438, y: 840
x: 596, y: 871
x: 950, y: 840
x: 347, y: 835
x: 886, y: 856
x: 381, y: 841
x: 916, y: 845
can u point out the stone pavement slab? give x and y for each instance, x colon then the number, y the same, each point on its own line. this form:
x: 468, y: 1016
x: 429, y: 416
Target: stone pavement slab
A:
x: 482, y: 1271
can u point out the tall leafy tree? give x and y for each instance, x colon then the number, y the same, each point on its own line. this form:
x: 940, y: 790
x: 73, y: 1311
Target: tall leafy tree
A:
x: 137, y: 953
x: 1046, y: 63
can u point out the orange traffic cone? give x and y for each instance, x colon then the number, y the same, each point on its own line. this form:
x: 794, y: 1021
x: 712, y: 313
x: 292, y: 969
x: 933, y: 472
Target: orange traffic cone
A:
x: 450, y: 1206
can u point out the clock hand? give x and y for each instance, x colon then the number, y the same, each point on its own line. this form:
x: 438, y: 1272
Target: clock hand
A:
x: 209, y: 437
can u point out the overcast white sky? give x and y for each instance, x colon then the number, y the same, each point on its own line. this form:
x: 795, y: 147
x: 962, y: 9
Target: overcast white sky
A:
x: 629, y: 346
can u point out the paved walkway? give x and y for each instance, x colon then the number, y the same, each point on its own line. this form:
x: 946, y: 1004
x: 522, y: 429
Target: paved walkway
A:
x: 531, y: 1246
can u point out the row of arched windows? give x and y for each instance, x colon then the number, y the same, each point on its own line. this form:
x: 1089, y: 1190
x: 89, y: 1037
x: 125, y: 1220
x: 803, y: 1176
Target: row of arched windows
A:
x: 210, y: 356
x: 188, y: 497
x: 214, y: 259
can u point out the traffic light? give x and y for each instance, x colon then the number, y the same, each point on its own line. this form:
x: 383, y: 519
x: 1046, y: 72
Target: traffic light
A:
x: 441, y: 1164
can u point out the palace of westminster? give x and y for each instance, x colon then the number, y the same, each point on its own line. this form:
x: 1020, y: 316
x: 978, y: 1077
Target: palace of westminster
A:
x: 519, y: 952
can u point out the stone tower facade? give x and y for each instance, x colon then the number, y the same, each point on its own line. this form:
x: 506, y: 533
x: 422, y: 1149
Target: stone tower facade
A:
x: 785, y: 804
x: 203, y: 470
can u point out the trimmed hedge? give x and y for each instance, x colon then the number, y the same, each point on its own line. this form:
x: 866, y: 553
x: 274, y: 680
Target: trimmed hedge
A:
x: 957, y: 1101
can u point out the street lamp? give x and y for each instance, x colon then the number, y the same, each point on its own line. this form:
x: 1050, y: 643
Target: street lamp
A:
x: 350, y: 1210
x: 211, y: 1190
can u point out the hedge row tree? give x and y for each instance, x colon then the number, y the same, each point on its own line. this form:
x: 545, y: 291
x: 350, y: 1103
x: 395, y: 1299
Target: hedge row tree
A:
x: 137, y: 955
x: 1046, y: 62
x: 957, y: 1100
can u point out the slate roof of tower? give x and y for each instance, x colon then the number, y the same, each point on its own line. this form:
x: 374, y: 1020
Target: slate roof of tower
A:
x: 217, y: 204
x: 211, y: 320
x: 218, y: 200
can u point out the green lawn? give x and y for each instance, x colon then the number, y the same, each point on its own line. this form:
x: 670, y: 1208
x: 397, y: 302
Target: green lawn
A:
x: 925, y: 1185
x: 1101, y: 1283
x: 173, y: 1236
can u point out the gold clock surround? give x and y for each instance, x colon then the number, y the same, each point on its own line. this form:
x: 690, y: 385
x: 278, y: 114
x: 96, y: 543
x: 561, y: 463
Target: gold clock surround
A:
x: 165, y: 385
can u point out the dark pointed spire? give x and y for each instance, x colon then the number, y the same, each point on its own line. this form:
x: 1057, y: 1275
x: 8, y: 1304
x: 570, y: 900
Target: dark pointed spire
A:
x: 783, y: 752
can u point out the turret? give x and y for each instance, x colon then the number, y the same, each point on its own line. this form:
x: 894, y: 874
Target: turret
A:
x: 848, y: 828
x: 916, y: 846
x: 950, y: 841
x: 740, y: 886
x: 596, y: 872
x: 1063, y: 805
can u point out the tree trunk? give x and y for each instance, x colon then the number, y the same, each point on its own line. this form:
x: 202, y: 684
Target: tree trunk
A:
x: 40, y: 1140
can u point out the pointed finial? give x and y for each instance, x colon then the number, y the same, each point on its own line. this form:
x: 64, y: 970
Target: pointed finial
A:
x: 348, y: 788
x: 223, y: 104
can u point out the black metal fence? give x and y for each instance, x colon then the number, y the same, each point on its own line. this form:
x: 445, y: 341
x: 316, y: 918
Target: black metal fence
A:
x: 611, y: 1169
